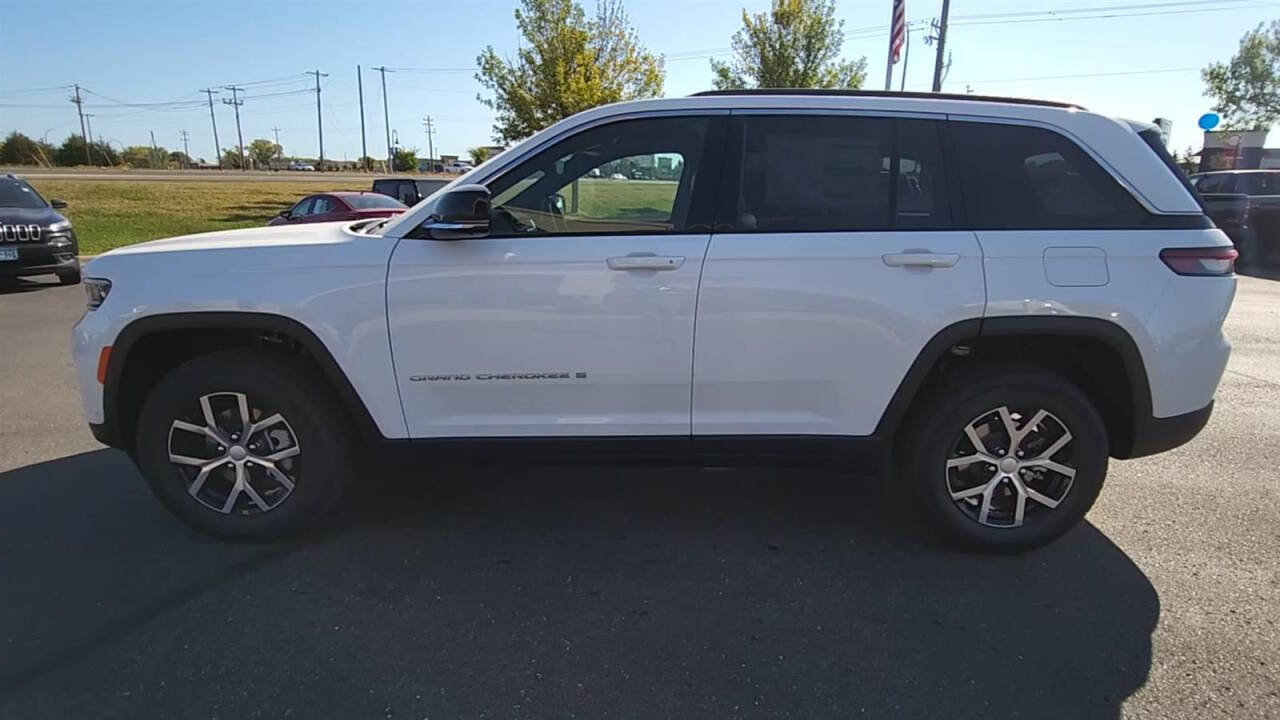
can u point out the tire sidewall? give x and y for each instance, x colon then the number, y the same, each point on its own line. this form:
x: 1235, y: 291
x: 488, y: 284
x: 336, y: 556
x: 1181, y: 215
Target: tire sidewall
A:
x: 945, y: 422
x: 284, y: 387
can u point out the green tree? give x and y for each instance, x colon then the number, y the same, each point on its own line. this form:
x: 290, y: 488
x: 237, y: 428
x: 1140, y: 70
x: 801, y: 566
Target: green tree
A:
x: 368, y: 163
x: 406, y: 159
x: 795, y: 45
x: 138, y: 156
x: 231, y: 158
x: 18, y: 149
x: 478, y: 154
x: 71, y: 153
x: 1246, y: 89
x: 565, y: 64
x: 263, y: 151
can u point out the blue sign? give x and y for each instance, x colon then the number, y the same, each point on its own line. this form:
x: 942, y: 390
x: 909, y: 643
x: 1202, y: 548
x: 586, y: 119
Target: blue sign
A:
x: 1209, y: 121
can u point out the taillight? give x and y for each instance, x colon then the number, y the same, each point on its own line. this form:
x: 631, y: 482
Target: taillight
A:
x: 1214, y: 261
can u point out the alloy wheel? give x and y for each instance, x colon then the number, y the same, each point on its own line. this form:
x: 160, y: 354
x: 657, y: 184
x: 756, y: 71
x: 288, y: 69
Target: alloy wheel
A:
x: 1010, y: 466
x: 235, y: 456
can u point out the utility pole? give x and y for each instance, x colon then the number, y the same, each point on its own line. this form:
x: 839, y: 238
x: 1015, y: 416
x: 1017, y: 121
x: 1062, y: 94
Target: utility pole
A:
x: 89, y: 141
x: 942, y: 47
x: 186, y: 153
x: 83, y: 136
x: 364, y: 150
x: 279, y: 147
x: 155, y: 151
x: 236, y: 102
x: 319, y: 120
x: 217, y: 149
x: 431, y: 131
x: 906, y: 57
x: 391, y: 166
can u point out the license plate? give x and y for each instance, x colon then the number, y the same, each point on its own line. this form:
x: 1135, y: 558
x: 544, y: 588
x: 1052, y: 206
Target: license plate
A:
x: 8, y: 253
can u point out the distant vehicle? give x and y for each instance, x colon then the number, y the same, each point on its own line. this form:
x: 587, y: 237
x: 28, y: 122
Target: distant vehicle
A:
x: 409, y: 191
x: 617, y: 176
x: 458, y: 167
x: 595, y: 173
x: 1246, y: 205
x: 335, y: 206
x: 307, y: 167
x: 35, y: 239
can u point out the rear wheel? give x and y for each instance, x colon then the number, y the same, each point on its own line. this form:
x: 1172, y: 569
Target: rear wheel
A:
x: 1007, y: 460
x: 244, y: 444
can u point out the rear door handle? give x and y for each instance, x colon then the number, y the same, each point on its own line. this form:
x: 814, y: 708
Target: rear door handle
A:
x: 924, y: 259
x: 645, y: 261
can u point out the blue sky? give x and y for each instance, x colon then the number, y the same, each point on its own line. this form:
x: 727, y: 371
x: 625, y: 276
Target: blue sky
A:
x: 149, y: 52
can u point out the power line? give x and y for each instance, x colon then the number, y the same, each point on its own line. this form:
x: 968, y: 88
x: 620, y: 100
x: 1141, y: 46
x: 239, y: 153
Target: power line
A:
x: 1084, y: 75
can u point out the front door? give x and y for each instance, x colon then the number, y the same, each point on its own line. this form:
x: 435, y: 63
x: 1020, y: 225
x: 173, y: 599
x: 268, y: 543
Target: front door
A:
x: 575, y: 315
x: 834, y: 262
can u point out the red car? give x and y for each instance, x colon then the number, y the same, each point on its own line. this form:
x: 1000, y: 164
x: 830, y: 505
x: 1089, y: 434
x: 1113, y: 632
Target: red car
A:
x: 345, y: 205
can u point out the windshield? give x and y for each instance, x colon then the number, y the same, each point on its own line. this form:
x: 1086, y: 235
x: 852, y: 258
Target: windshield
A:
x: 373, y: 201
x: 18, y: 194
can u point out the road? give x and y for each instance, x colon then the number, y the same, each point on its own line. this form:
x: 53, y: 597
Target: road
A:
x: 606, y: 592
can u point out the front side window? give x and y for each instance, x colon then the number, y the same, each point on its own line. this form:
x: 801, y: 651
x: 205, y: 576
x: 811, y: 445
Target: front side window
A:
x: 1016, y: 177
x: 634, y: 176
x: 833, y: 173
x: 303, y: 208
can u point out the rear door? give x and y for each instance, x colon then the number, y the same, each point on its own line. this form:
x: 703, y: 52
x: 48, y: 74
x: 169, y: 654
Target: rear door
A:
x: 833, y: 263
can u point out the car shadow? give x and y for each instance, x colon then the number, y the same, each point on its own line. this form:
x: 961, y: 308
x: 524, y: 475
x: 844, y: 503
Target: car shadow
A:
x: 14, y: 286
x: 637, y: 592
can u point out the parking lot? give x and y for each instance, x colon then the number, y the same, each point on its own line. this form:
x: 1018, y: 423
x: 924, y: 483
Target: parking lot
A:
x: 605, y: 592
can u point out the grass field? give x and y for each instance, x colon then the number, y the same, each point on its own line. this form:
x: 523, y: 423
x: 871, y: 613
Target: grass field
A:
x: 111, y: 213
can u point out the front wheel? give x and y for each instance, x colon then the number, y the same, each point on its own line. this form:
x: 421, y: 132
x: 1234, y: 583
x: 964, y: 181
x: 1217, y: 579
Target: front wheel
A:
x: 244, y: 444
x: 1006, y: 459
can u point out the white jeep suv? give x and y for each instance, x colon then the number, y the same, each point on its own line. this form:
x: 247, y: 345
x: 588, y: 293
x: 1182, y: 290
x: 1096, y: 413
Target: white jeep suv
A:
x: 981, y: 298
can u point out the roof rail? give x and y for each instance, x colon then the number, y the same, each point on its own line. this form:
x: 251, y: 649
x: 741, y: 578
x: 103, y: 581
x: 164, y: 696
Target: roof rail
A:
x: 888, y: 94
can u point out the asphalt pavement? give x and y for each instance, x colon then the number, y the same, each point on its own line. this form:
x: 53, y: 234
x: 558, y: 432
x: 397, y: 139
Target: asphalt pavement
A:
x: 633, y: 593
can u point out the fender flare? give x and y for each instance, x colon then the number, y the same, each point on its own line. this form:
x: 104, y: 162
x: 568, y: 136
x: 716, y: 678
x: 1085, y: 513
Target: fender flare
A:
x: 1111, y: 334
x: 112, y: 433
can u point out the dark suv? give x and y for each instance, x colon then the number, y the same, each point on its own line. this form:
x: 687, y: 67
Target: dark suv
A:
x: 1246, y: 205
x: 34, y: 238
x: 407, y: 190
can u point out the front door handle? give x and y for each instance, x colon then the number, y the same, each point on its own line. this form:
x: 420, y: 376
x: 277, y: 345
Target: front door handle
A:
x: 645, y: 261
x: 921, y: 259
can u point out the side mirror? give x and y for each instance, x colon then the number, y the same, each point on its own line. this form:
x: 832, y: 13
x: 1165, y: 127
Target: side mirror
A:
x: 553, y: 204
x: 285, y: 214
x: 57, y: 204
x: 460, y: 213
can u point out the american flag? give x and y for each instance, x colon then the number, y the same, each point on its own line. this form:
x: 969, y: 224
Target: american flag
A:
x: 898, y: 34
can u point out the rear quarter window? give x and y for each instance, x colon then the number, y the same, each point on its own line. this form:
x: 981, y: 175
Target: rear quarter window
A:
x: 1015, y: 177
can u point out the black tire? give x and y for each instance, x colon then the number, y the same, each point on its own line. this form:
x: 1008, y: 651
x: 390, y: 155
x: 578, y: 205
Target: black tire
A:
x: 938, y: 434
x: 71, y: 277
x: 272, y: 383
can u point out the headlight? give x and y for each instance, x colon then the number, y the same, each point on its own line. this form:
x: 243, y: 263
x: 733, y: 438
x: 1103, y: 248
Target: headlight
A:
x: 60, y: 226
x: 96, y: 290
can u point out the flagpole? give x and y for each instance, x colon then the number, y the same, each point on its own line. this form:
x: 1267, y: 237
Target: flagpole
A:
x: 888, y: 65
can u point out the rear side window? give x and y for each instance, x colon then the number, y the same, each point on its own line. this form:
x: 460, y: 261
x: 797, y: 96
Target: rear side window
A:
x: 1261, y: 183
x: 1018, y: 177
x: 814, y: 173
x: 1222, y: 183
